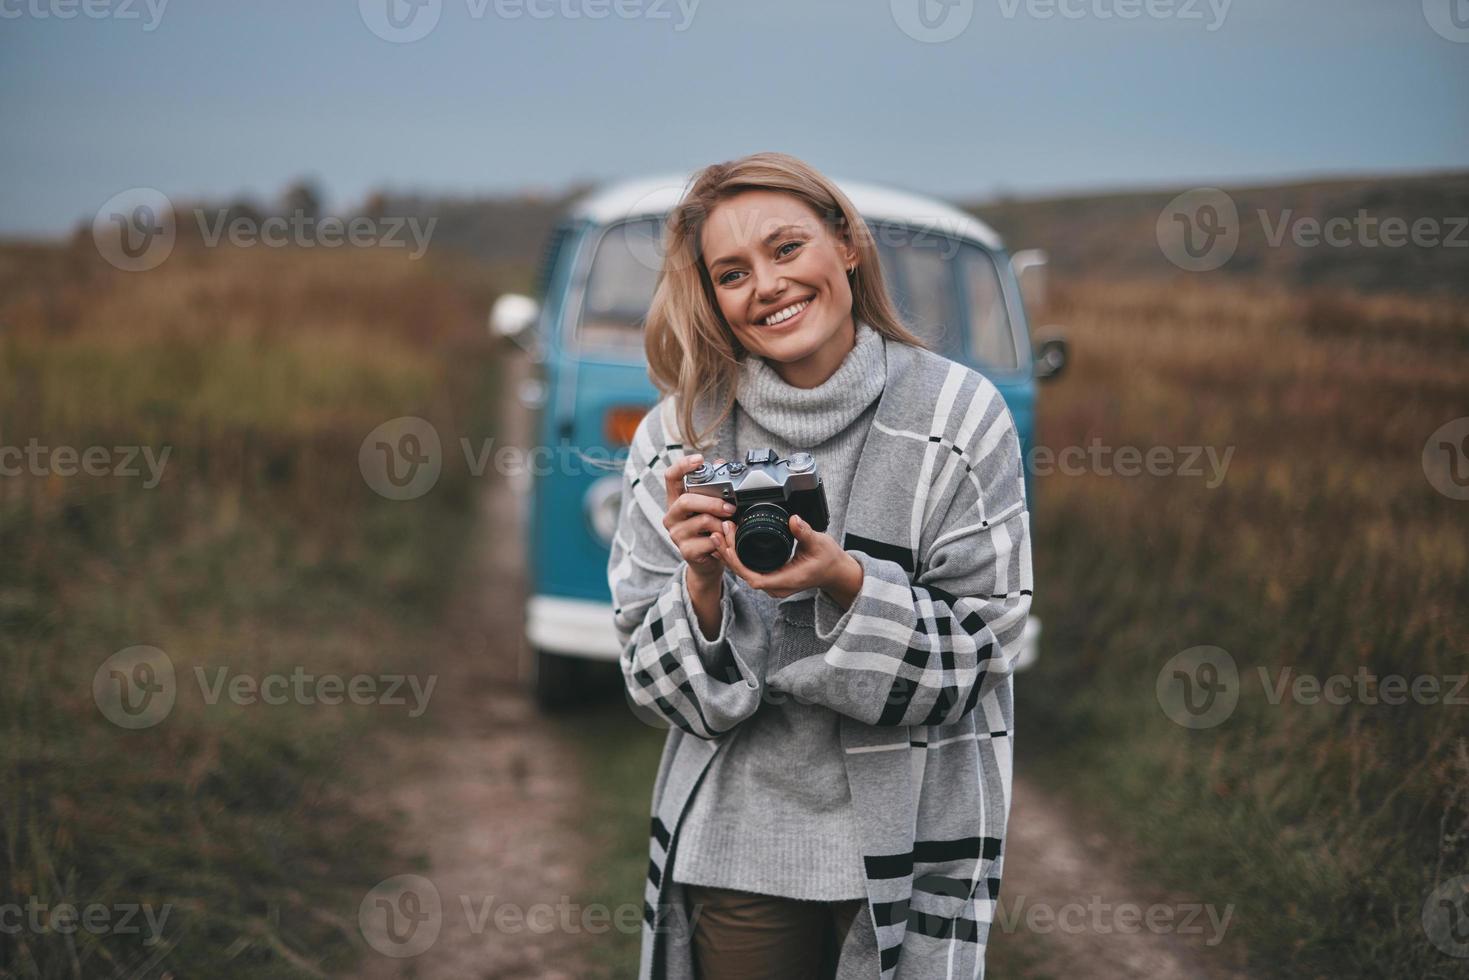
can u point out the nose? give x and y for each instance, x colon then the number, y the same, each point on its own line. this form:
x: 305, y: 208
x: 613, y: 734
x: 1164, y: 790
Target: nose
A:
x: 768, y: 282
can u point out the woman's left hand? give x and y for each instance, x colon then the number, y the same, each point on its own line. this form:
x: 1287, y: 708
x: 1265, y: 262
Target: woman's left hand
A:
x: 819, y: 562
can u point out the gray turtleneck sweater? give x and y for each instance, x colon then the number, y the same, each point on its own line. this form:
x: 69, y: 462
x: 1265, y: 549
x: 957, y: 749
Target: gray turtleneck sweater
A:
x: 773, y: 813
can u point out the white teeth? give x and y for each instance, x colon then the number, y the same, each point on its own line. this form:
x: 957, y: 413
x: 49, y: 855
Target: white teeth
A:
x: 786, y: 313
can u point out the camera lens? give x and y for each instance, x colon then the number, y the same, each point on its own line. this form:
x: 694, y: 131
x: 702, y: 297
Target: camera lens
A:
x: 763, y: 537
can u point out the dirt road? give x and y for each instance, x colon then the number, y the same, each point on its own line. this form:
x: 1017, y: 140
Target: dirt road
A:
x: 1066, y: 906
x: 490, y: 789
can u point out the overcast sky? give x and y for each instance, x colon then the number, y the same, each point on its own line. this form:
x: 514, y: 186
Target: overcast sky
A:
x: 212, y: 98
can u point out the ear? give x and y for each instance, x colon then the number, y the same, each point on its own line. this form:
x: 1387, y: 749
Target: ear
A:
x: 848, y: 251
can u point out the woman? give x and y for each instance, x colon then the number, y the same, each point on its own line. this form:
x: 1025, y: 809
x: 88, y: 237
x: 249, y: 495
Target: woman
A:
x: 836, y: 779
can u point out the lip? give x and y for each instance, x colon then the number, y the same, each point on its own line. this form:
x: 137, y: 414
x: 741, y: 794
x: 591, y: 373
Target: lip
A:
x: 790, y: 320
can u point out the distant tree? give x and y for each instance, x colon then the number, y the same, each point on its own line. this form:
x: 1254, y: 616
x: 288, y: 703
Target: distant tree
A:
x: 376, y: 205
x: 302, y: 195
x: 242, y: 207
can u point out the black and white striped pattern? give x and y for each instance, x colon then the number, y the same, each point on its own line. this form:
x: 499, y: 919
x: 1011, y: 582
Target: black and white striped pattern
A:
x: 919, y: 666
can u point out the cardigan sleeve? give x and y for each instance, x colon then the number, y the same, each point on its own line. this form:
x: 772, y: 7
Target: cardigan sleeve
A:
x: 924, y: 649
x: 704, y: 686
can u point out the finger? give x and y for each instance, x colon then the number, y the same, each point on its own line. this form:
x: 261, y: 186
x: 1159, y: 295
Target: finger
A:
x: 698, y: 526
x: 673, y: 476
x: 732, y: 558
x: 701, y: 551
x: 688, y: 504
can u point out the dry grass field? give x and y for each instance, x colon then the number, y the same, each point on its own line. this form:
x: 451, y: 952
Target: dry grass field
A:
x: 1323, y: 551
x: 259, y: 548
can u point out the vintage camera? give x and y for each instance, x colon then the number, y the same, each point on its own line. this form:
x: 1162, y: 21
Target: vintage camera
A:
x: 766, y: 491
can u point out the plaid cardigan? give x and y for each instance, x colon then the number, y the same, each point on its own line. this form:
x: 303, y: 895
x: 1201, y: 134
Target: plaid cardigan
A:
x: 919, y: 667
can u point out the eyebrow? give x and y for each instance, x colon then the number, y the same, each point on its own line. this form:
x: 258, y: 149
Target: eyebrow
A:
x: 782, y: 230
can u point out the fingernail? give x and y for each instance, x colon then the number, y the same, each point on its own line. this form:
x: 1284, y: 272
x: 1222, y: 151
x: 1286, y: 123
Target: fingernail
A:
x: 729, y: 508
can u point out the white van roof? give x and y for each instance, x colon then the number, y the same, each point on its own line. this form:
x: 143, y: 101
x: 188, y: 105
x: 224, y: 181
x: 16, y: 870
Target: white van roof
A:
x: 658, y: 194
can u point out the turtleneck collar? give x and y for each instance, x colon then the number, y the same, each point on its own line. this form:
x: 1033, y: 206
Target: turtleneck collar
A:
x: 806, y: 417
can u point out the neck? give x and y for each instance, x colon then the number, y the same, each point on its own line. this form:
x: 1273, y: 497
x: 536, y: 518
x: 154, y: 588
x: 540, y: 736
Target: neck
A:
x: 813, y: 369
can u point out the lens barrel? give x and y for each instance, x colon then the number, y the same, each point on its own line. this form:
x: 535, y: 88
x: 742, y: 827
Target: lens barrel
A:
x: 763, y: 538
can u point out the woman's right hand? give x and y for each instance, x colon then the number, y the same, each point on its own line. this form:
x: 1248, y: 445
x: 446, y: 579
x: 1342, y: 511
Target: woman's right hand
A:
x: 693, y: 521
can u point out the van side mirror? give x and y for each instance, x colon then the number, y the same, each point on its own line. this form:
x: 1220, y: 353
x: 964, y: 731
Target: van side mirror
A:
x: 1030, y: 267
x: 512, y: 318
x: 1051, y: 354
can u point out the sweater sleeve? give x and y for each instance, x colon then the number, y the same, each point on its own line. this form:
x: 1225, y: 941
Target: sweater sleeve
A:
x: 924, y: 649
x: 704, y: 686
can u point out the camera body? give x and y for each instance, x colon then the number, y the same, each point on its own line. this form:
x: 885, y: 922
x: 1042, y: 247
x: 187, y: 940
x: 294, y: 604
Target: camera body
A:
x: 766, y: 491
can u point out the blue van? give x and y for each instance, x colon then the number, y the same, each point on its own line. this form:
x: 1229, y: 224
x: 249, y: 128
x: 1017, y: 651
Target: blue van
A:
x: 948, y: 273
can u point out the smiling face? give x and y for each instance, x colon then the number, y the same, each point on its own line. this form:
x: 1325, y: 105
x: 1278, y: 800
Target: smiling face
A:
x: 780, y: 279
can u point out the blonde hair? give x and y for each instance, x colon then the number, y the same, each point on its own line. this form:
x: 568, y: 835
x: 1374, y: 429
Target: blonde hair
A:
x: 691, y: 350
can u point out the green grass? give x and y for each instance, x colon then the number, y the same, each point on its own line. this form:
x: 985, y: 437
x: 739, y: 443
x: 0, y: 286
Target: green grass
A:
x: 619, y: 760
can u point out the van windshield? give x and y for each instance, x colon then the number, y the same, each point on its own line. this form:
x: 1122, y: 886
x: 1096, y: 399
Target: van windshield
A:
x: 947, y: 291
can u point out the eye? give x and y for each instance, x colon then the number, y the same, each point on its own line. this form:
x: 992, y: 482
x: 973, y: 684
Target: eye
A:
x: 725, y: 280
x: 782, y: 253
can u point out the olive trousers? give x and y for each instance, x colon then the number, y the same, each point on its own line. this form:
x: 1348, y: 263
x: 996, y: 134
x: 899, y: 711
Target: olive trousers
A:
x: 744, y: 936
